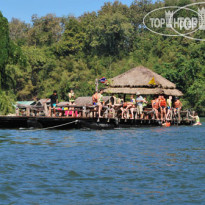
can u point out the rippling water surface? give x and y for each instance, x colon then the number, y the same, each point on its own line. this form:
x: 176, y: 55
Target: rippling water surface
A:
x: 128, y: 166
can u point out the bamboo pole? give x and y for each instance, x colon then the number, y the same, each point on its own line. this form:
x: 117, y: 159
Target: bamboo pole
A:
x: 96, y: 85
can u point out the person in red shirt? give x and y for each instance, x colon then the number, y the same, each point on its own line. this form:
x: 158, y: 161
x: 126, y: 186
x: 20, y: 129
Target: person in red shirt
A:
x: 162, y: 105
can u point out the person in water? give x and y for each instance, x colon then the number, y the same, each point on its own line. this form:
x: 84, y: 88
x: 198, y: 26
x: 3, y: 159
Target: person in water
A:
x: 166, y: 124
x: 54, y: 101
x: 71, y: 96
x: 196, y: 117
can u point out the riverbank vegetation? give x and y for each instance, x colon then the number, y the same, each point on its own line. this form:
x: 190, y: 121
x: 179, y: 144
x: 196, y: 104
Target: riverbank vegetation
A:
x: 70, y: 52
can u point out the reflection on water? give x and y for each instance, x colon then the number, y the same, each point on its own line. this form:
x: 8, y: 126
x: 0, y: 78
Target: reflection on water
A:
x: 130, y: 166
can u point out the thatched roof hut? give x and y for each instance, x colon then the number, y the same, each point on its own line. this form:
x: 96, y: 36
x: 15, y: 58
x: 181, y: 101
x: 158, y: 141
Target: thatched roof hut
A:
x: 41, y: 102
x: 139, y: 80
x: 87, y: 101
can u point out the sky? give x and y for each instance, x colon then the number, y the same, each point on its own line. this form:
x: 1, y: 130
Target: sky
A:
x: 24, y: 9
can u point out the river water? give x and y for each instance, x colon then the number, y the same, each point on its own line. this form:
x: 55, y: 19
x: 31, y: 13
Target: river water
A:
x: 125, y: 166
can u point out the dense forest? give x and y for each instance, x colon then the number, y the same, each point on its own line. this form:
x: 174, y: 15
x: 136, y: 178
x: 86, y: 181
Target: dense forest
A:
x: 70, y: 52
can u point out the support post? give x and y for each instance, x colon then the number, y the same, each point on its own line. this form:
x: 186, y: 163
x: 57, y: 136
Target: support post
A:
x: 96, y: 85
x: 46, y: 110
x: 27, y: 111
x: 84, y: 111
x: 17, y: 111
x: 124, y: 97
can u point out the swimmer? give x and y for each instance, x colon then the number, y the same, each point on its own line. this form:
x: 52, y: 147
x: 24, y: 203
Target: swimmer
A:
x: 166, y: 124
x: 196, y: 117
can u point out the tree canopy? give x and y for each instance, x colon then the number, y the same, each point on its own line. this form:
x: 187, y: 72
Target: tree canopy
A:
x: 71, y: 52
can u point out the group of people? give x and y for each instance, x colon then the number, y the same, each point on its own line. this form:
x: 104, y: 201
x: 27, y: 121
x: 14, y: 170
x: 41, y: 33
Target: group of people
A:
x: 129, y: 107
x: 54, y: 101
x: 165, y: 108
x: 162, y: 109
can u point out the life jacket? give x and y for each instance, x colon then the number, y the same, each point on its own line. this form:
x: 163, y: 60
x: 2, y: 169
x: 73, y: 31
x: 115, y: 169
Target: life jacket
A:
x: 163, y: 103
x: 168, y: 124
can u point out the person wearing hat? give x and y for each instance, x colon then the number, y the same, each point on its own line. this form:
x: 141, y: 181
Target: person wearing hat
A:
x: 139, y: 101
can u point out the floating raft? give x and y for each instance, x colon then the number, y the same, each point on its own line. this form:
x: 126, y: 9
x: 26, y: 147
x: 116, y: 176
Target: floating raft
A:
x: 18, y: 122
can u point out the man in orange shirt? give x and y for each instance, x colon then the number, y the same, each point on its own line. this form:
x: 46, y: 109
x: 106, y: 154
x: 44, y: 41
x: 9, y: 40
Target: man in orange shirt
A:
x: 177, y: 107
x: 162, y: 105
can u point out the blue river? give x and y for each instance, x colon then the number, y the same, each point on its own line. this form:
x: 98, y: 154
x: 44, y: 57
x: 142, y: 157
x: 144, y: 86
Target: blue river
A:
x: 125, y: 166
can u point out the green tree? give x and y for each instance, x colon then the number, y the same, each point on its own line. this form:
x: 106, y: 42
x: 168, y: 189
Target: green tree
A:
x: 45, y: 30
x: 4, y: 47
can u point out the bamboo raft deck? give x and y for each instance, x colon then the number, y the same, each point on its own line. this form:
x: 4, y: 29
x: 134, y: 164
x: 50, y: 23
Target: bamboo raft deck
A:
x: 41, y: 122
x: 87, y: 118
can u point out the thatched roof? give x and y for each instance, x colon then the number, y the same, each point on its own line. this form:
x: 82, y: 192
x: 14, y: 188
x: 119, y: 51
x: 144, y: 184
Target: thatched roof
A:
x: 138, y: 80
x: 144, y: 91
x: 63, y: 104
x: 87, y: 101
x: 140, y: 77
x: 46, y: 100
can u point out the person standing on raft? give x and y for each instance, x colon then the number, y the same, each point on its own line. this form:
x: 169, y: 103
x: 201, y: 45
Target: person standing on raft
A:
x: 139, y: 102
x: 155, y: 107
x: 162, y: 105
x: 166, y: 124
x: 169, y: 108
x: 95, y: 98
x: 177, y: 108
x: 54, y: 101
x: 71, y: 96
x: 100, y: 103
